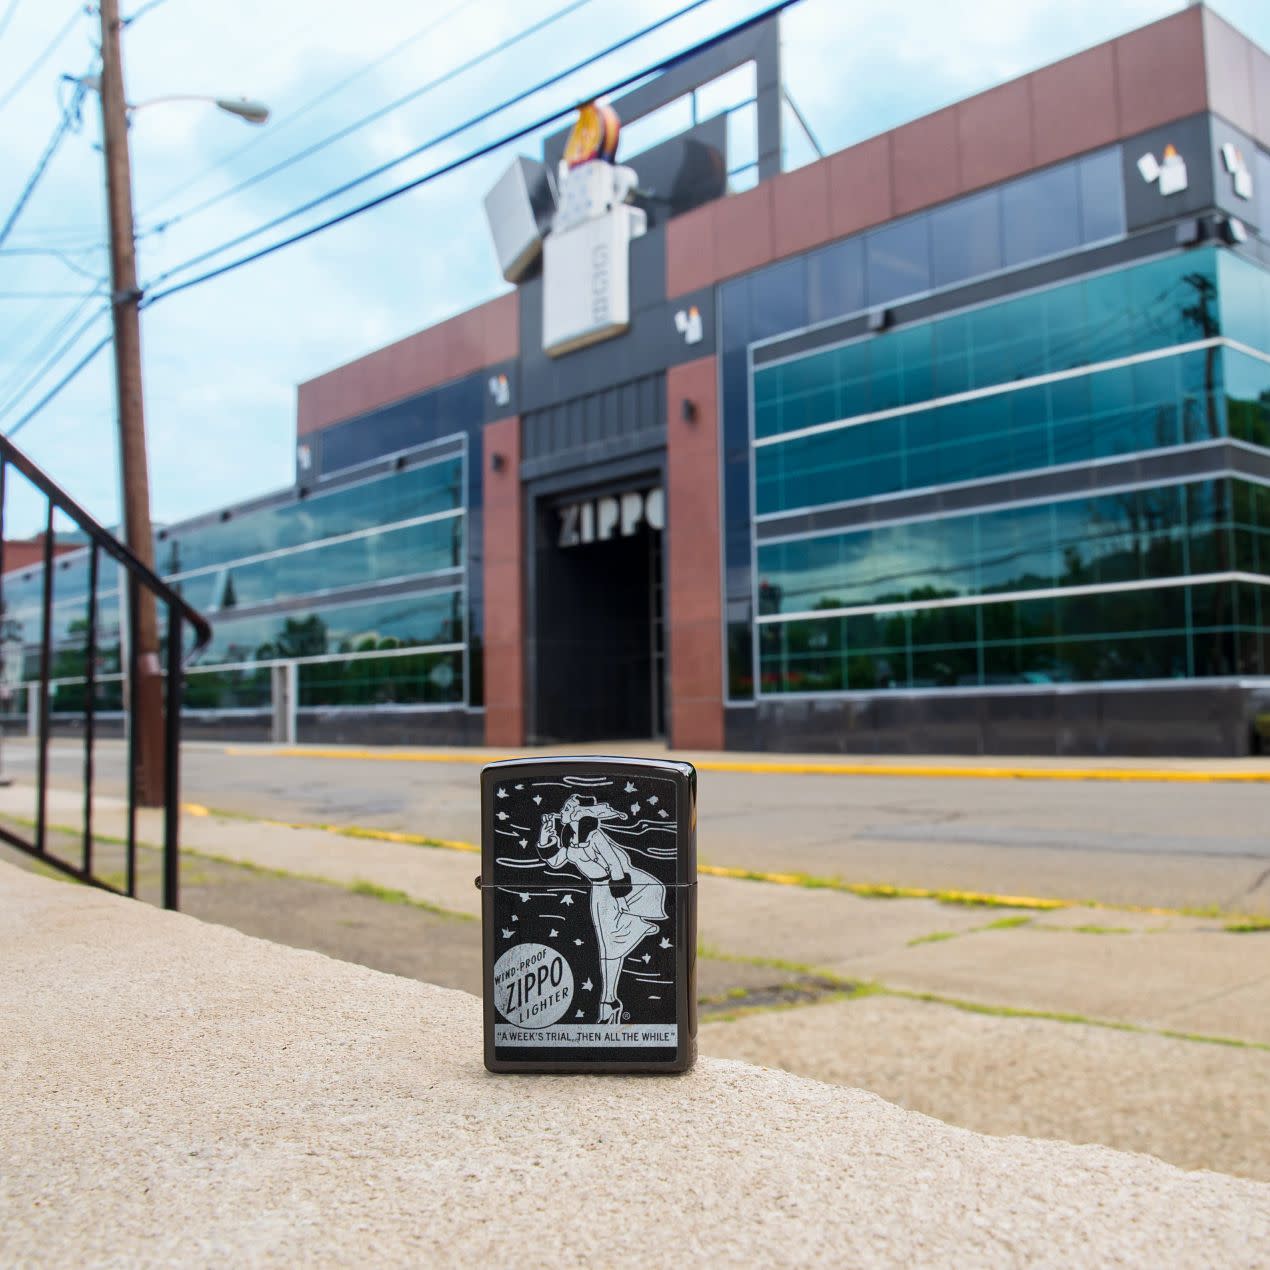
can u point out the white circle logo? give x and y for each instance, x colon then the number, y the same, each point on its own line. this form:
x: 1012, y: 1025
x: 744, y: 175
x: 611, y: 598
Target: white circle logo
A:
x: 533, y: 985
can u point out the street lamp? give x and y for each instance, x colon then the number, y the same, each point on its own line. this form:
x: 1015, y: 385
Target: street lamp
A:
x: 125, y: 311
x: 255, y: 112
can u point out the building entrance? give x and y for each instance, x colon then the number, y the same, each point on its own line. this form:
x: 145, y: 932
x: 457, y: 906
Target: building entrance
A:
x: 599, y: 647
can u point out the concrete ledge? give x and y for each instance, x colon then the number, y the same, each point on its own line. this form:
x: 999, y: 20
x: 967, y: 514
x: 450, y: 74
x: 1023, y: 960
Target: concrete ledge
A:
x: 177, y: 1091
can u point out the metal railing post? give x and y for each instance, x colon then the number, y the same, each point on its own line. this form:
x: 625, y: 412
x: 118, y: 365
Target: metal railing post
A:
x: 56, y: 644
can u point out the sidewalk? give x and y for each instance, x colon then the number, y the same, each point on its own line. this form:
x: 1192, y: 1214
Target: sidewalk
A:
x: 1162, y: 971
x: 175, y: 1091
x: 1143, y: 1030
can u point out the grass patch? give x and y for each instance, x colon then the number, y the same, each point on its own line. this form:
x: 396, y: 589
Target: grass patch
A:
x: 776, y: 1007
x: 935, y: 937
x: 1007, y: 923
x: 709, y: 953
x: 1092, y: 928
x: 856, y: 990
x: 1062, y: 1016
x: 390, y: 895
x: 1248, y: 926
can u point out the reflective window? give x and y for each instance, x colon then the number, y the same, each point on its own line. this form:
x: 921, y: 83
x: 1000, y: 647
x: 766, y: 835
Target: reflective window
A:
x: 1247, y: 381
x: 897, y: 261
x: 417, y: 550
x: 401, y: 621
x: 831, y: 283
x: 414, y: 679
x: 1131, y: 536
x: 1101, y: 195
x: 1119, y: 411
x: 835, y: 280
x: 412, y: 492
x: 1154, y: 403
x: 422, y: 679
x: 1157, y: 633
x: 1242, y: 297
x: 1041, y: 214
x: 965, y: 239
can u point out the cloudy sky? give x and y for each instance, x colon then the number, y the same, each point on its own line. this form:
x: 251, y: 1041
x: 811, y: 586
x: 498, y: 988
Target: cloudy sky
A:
x: 222, y: 360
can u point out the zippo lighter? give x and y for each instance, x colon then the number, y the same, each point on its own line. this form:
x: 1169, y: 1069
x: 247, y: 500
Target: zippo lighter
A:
x: 589, y: 906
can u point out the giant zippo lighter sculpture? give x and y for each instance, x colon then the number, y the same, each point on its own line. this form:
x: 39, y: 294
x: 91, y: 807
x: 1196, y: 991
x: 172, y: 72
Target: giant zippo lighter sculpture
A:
x: 581, y: 221
x: 589, y: 904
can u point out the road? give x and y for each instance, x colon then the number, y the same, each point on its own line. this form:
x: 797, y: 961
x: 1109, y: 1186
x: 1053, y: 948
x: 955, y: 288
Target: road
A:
x: 1132, y: 843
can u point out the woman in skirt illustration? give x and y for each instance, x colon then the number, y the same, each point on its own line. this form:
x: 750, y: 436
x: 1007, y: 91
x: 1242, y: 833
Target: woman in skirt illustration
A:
x: 626, y: 902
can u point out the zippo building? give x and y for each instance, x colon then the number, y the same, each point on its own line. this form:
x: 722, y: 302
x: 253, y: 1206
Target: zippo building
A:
x: 956, y: 440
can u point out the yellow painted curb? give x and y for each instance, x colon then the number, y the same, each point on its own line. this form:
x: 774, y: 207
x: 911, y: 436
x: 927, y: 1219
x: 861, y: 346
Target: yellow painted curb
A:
x: 884, y: 891
x: 864, y: 890
x: 945, y: 771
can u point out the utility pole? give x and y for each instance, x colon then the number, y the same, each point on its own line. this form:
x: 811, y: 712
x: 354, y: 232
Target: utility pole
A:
x: 134, y: 473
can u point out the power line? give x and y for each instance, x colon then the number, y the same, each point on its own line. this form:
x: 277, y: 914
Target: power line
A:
x: 141, y: 12
x: 373, y: 117
x: 507, y: 139
x: 14, y: 396
x: 277, y: 125
x: 657, y: 68
x: 8, y: 16
x: 59, y: 255
x: 40, y: 295
x: 70, y: 119
x: 41, y: 58
x: 57, y: 388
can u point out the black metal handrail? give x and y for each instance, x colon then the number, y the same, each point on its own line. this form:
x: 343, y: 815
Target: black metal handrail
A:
x: 180, y: 615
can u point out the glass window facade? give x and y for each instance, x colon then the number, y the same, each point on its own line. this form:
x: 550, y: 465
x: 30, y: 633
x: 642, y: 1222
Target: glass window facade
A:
x: 1143, y: 309
x: 1155, y: 532
x: 1164, y: 632
x: 1158, y: 355
x: 407, y: 525
x: 274, y: 581
x: 403, y: 551
x: 948, y: 246
x: 368, y: 505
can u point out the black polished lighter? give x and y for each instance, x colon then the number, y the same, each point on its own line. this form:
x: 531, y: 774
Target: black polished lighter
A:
x: 589, y: 904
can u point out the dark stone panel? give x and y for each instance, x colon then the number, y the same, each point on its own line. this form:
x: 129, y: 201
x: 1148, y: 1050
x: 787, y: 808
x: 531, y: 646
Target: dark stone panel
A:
x: 740, y: 730
x: 648, y: 272
x: 1144, y: 204
x: 682, y: 173
x: 1224, y: 195
x: 616, y: 414
x: 105, y: 729
x: 194, y: 727
x: 596, y: 454
x: 1199, y: 720
x: 1251, y: 462
x: 254, y: 727
x: 1019, y: 725
x: 391, y: 727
